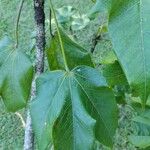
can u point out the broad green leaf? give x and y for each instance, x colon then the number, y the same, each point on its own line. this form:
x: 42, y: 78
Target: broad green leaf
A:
x: 120, y: 92
x: 102, y: 6
x: 51, y: 94
x: 142, y: 126
x: 15, y: 77
x: 129, y: 25
x: 103, y: 28
x: 116, y: 79
x: 114, y: 74
x: 144, y: 117
x: 136, y: 104
x: 75, y: 54
x: 4, y: 42
x: 72, y: 107
x: 147, y: 148
x: 108, y: 57
x: 97, y: 8
x: 143, y: 120
x: 93, y: 1
x: 140, y: 141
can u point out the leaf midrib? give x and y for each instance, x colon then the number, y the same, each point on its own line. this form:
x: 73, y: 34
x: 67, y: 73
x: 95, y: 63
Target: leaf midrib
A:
x: 73, y: 114
x: 143, y: 49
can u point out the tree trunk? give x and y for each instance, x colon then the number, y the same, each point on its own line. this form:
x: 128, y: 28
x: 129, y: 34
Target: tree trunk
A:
x: 39, y: 68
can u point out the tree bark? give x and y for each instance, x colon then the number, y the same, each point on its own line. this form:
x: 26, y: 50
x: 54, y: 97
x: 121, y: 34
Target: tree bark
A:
x: 39, y: 66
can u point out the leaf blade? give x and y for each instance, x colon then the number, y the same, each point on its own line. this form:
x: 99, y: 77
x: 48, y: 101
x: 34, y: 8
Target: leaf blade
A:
x: 129, y: 22
x: 15, y: 77
x: 49, y: 109
x: 73, y: 115
x: 75, y: 54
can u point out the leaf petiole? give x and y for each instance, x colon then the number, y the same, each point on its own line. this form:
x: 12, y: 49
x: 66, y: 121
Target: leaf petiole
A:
x: 17, y: 23
x: 59, y: 36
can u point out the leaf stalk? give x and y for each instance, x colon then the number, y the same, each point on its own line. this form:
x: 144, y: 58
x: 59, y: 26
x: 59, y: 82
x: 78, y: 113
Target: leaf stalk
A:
x: 17, y: 24
x: 59, y: 35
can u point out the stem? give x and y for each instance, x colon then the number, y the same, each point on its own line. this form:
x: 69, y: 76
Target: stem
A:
x: 95, y: 40
x: 29, y: 136
x: 97, y: 37
x: 50, y: 23
x: 21, y: 118
x: 39, y: 67
x: 17, y: 24
x: 59, y: 35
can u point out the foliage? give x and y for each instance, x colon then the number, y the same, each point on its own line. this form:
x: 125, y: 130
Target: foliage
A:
x: 75, y: 54
x: 131, y: 41
x: 16, y: 76
x: 75, y: 102
x: 81, y: 90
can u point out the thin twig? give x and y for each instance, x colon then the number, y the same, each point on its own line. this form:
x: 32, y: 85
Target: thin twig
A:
x: 21, y: 118
x: 59, y: 35
x: 95, y: 42
x: 17, y: 23
x: 96, y: 38
x: 50, y: 23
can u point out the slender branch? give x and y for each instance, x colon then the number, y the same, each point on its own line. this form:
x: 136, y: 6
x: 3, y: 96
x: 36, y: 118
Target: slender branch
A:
x: 59, y: 35
x: 50, y: 23
x: 17, y: 24
x: 39, y: 67
x: 95, y: 40
x: 21, y: 118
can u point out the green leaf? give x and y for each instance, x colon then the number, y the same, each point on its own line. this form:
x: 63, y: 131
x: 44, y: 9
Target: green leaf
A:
x: 72, y: 107
x: 129, y: 24
x: 4, y: 42
x: 97, y: 8
x: 140, y: 141
x: 75, y: 54
x: 142, y: 124
x: 143, y: 118
x: 136, y: 104
x: 108, y: 57
x: 114, y: 74
x: 93, y: 1
x: 116, y: 79
x: 147, y: 148
x: 16, y: 73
